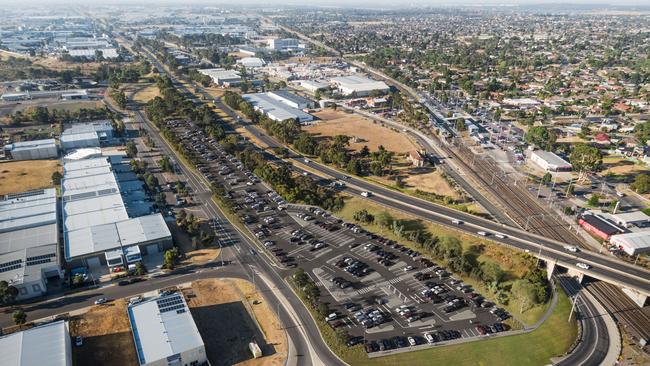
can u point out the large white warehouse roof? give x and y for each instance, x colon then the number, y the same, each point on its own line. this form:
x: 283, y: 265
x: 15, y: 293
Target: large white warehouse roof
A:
x: 46, y: 345
x: 163, y: 327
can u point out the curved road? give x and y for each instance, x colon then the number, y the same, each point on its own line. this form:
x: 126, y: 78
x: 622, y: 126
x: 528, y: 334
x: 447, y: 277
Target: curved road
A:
x: 595, y: 339
x: 604, y: 267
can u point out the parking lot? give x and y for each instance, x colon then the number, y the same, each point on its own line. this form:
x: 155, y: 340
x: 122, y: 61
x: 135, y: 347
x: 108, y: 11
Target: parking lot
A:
x: 384, y: 294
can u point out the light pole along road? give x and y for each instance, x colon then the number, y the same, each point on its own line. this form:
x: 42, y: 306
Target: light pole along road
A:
x: 338, y: 175
x: 603, y: 267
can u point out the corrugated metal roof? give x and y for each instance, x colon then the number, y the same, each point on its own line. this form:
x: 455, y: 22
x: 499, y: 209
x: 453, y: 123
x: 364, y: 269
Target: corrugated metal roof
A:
x: 46, y: 345
x: 163, y: 327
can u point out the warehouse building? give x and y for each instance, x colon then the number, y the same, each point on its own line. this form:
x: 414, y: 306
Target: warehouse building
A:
x: 312, y: 86
x: 632, y: 243
x: 631, y: 219
x: 44, y: 345
x: 32, y: 150
x: 274, y: 107
x: 599, y: 226
x: 251, y: 62
x: 92, y: 134
x: 290, y: 99
x: 106, y: 222
x: 549, y: 161
x: 358, y: 86
x: 29, y: 249
x: 164, y: 332
x: 284, y: 44
x: 223, y: 77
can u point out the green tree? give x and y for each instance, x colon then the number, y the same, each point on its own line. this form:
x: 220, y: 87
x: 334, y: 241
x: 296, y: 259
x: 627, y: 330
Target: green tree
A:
x: 56, y: 178
x: 8, y: 293
x: 384, y: 219
x: 524, y: 291
x: 169, y: 258
x: 641, y: 183
x: 541, y: 137
x: 593, y: 201
x: 140, y: 269
x: 585, y: 158
x: 19, y: 316
x: 131, y: 149
x: 546, y: 178
x: 322, y: 310
x: 492, y: 272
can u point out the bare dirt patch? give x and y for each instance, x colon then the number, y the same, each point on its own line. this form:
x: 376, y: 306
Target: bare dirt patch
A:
x: 234, y: 305
x: 366, y: 132
x: 621, y: 166
x: 53, y: 63
x: 20, y: 176
x: 107, y: 336
x: 146, y: 94
x: 430, y: 181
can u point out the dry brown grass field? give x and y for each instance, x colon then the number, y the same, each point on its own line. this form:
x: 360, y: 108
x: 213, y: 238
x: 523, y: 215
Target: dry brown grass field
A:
x: 20, y: 176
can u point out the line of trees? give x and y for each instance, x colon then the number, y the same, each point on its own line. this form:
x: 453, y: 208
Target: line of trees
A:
x: 448, y: 249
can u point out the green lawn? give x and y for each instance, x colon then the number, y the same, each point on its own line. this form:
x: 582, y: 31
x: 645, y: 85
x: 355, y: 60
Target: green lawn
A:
x: 551, y: 339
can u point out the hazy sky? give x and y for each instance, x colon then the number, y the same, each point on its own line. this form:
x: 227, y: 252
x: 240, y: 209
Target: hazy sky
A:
x: 360, y: 3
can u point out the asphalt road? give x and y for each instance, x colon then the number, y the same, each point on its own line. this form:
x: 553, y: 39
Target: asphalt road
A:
x: 604, y: 268
x: 306, y: 335
x: 594, y: 342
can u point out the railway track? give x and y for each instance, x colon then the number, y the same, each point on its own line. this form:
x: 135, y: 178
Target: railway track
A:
x: 634, y: 320
x: 522, y: 208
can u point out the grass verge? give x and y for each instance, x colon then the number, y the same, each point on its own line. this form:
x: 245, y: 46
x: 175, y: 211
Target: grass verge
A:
x: 514, y: 263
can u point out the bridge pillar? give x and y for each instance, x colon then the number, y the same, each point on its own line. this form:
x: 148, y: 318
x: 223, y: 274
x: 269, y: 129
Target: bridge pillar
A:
x: 574, y: 272
x: 550, y: 268
x: 638, y: 298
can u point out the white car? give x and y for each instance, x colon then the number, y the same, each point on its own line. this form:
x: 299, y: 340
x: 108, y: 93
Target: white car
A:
x: 500, y: 236
x: 571, y: 248
x: 408, y: 268
x: 481, y: 233
x: 583, y: 265
x: 456, y: 222
x: 412, y: 341
x: 365, y: 194
x: 331, y: 317
x: 100, y: 301
x: 429, y: 338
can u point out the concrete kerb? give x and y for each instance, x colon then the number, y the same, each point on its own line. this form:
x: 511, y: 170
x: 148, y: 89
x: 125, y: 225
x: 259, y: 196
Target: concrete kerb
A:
x: 547, y: 248
x: 433, y: 144
x: 612, y: 329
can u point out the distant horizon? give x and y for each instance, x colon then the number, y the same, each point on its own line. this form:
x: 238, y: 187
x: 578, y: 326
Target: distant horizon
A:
x: 341, y: 3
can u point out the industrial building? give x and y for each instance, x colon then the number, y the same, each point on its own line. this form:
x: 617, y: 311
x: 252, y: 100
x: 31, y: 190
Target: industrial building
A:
x: 290, y: 99
x: 92, y: 134
x: 312, y: 86
x: 68, y: 94
x: 632, y: 243
x: 284, y: 44
x: 29, y: 249
x: 631, y: 219
x: 44, y: 345
x: 599, y: 226
x: 32, y: 150
x: 165, y: 333
x: 251, y: 62
x: 358, y: 86
x: 549, y: 161
x: 223, y: 77
x: 107, y: 217
x: 276, y: 107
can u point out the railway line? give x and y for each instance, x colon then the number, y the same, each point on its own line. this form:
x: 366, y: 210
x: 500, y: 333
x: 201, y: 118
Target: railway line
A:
x: 522, y: 208
x: 635, y: 320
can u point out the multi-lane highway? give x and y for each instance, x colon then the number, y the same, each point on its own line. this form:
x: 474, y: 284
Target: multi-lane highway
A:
x: 604, y: 267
